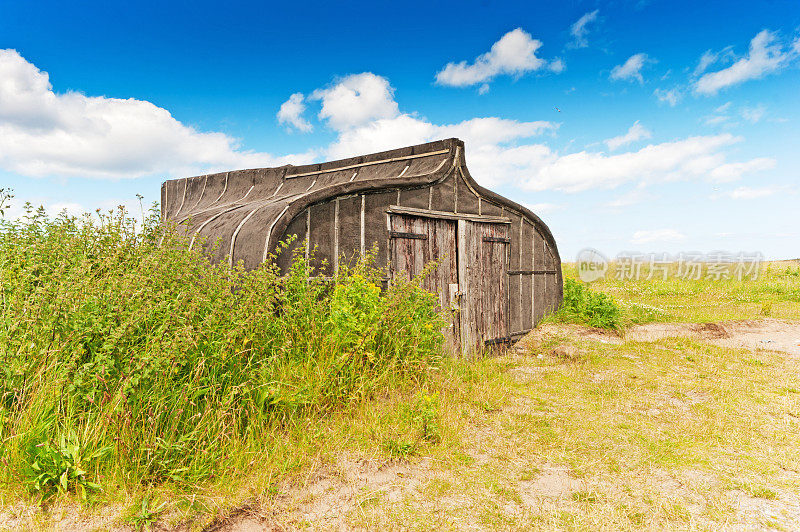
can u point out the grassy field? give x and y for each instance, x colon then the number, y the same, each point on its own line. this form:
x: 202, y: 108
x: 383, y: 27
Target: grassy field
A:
x: 774, y: 293
x: 576, y: 429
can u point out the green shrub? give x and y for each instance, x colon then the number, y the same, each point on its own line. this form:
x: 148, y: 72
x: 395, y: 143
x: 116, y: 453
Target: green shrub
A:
x: 175, y: 365
x: 583, y: 305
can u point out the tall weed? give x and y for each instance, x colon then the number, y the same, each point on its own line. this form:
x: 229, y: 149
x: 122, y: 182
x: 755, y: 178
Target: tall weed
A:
x: 167, y: 367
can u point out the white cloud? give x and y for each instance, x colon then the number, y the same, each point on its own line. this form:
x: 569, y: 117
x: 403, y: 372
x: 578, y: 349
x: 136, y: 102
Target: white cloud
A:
x: 579, y: 30
x: 544, y: 208
x: 707, y: 59
x: 723, y: 115
x: 753, y: 114
x: 670, y: 96
x: 715, y: 120
x: 53, y: 207
x: 764, y: 57
x: 46, y: 133
x: 498, y: 152
x: 710, y: 57
x: 42, y: 132
x: 356, y: 100
x: 630, y: 69
x: 291, y: 113
x: 514, y: 54
x: 406, y: 129
x: 734, y: 171
x: 557, y: 65
x: 635, y: 132
x: 657, y: 235
x: 629, y: 198
x: 719, y: 117
x: 690, y: 158
x: 363, y: 111
x: 723, y: 108
x: 753, y: 193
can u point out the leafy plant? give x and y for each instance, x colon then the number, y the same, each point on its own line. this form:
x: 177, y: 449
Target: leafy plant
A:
x: 426, y: 417
x: 146, y: 515
x: 6, y: 195
x: 582, y: 305
x: 398, y: 448
x: 418, y: 423
x: 60, y: 467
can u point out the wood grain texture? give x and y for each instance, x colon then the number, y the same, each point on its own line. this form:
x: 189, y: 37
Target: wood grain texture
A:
x: 415, y: 242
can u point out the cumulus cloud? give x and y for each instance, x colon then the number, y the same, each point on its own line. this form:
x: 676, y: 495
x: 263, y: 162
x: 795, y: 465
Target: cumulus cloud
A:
x: 690, y: 158
x: 498, y: 153
x: 580, y: 30
x: 514, y: 54
x: 657, y: 235
x: 766, y: 55
x: 635, y: 132
x: 670, y: 96
x: 44, y: 133
x: 406, y: 129
x: 356, y: 100
x: 501, y: 151
x: 291, y: 113
x: 630, y: 69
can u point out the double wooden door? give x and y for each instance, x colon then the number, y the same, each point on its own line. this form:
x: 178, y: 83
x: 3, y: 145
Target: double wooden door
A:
x: 468, y: 269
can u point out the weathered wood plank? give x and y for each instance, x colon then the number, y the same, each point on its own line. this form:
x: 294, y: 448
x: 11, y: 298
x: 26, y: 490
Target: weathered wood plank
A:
x: 539, y: 283
x: 414, y: 243
x: 466, y: 289
x: 427, y: 213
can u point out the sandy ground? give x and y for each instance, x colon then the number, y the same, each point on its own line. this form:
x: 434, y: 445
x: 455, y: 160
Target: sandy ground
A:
x: 767, y: 334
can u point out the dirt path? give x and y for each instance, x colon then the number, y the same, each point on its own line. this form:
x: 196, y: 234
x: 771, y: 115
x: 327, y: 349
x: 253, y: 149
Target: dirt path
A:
x: 767, y: 334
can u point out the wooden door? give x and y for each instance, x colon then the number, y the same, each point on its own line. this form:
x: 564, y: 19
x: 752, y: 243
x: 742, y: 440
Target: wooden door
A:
x: 483, y: 279
x: 414, y: 242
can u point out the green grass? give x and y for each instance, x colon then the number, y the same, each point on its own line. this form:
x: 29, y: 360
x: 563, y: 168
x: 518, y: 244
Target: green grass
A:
x: 774, y: 293
x: 128, y: 363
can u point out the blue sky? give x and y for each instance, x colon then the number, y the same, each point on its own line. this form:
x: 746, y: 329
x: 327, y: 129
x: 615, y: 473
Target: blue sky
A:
x: 641, y: 125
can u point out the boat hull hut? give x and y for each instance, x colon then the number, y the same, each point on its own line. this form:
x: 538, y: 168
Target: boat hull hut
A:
x: 499, y: 270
